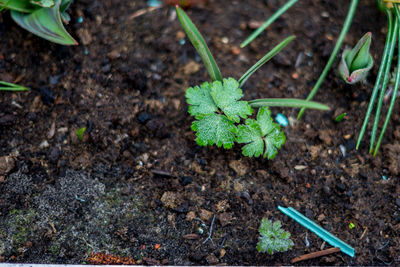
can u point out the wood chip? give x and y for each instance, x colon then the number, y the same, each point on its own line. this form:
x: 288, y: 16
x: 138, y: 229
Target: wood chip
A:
x: 315, y: 254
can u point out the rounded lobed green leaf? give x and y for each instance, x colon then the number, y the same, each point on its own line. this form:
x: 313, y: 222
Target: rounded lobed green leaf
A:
x: 226, y: 95
x: 214, y: 129
x: 200, y: 100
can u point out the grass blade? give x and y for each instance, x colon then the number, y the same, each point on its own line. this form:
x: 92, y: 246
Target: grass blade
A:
x: 287, y: 102
x: 46, y: 23
x: 346, y: 26
x: 378, y: 78
x: 392, y: 46
x: 198, y: 42
x: 395, y: 90
x: 265, y: 59
x: 5, y: 86
x: 269, y: 21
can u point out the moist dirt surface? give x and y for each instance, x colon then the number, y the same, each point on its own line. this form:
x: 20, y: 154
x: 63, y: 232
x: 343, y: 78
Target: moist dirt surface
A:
x: 138, y: 186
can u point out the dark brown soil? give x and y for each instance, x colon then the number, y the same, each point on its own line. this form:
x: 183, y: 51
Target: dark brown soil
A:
x: 138, y: 179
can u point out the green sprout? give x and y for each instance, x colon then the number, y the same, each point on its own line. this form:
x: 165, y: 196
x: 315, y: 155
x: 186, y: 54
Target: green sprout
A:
x: 273, y: 238
x: 356, y: 62
x: 80, y: 133
x: 5, y: 86
x: 351, y: 225
x: 218, y: 108
x: 340, y: 117
x: 43, y: 18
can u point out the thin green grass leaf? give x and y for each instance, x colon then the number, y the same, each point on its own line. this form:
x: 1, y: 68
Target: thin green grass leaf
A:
x: 5, y: 86
x: 393, y: 42
x: 378, y: 78
x: 198, y: 42
x: 265, y: 59
x: 268, y: 22
x: 346, y: 26
x: 287, y: 102
x: 46, y: 23
x: 395, y: 90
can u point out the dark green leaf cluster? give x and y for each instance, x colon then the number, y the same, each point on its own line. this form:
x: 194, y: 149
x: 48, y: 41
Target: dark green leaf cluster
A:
x: 273, y: 238
x: 218, y: 111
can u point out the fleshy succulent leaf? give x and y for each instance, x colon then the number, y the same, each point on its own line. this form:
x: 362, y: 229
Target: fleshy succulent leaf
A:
x: 357, y: 62
x: 256, y: 133
x: 273, y: 238
x: 43, y: 3
x: 46, y: 23
x: 18, y: 5
x: 214, y: 129
x: 226, y: 96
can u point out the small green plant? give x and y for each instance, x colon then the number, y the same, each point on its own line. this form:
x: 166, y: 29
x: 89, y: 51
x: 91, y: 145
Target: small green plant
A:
x: 5, y: 86
x: 80, y: 133
x: 43, y: 18
x: 273, y: 238
x: 340, y: 117
x: 218, y: 108
x: 357, y: 62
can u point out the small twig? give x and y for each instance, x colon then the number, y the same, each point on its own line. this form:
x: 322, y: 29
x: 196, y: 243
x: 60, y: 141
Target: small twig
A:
x: 222, y: 244
x: 162, y: 173
x: 210, y: 232
x: 315, y: 255
x: 363, y: 234
x: 144, y: 11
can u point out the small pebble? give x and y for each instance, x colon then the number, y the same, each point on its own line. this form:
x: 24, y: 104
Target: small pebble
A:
x: 182, y: 41
x: 282, y: 120
x: 384, y: 177
x: 343, y: 150
x: 80, y: 20
x: 44, y: 144
x: 154, y: 3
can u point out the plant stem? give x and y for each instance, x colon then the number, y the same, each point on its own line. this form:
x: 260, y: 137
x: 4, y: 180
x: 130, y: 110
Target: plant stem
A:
x: 395, y: 90
x: 392, y: 43
x: 346, y: 26
x: 269, y: 21
x: 286, y: 102
x: 378, y: 78
x: 5, y: 86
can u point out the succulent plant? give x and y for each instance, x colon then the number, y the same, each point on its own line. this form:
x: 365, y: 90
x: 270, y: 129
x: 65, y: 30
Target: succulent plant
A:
x: 357, y: 62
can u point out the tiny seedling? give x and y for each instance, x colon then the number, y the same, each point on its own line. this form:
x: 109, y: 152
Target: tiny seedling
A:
x: 340, y: 117
x: 80, y: 133
x: 43, y: 18
x: 218, y: 108
x: 273, y: 238
x: 5, y: 86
